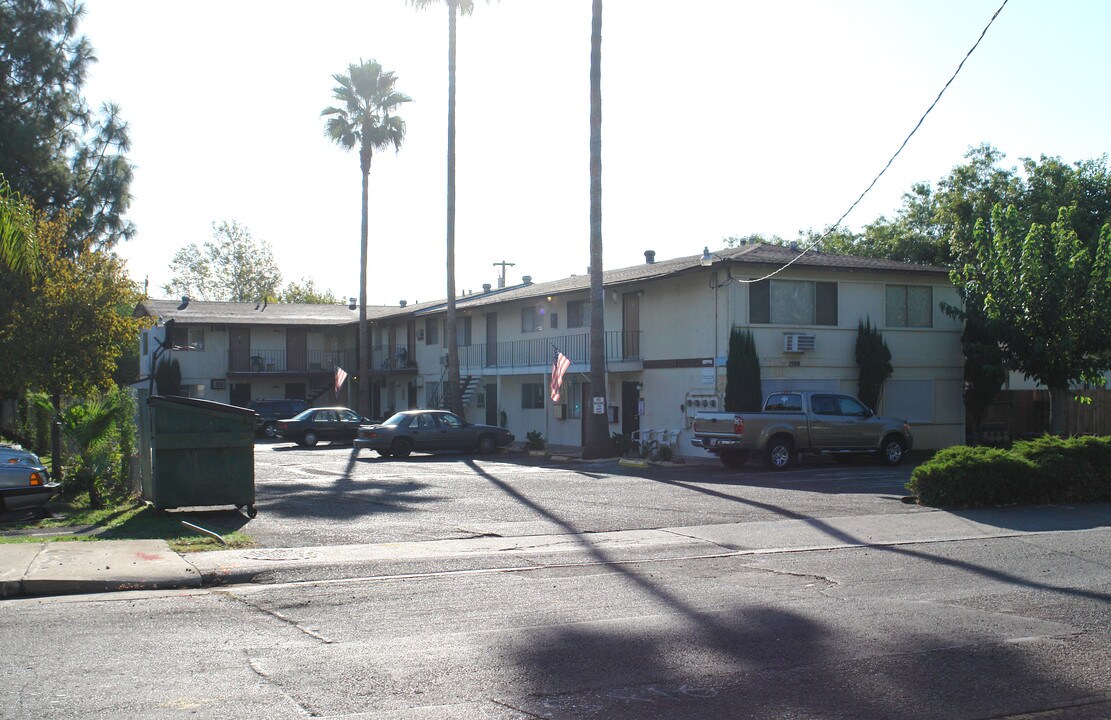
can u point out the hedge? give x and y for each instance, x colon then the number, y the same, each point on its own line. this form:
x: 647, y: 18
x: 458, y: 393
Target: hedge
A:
x: 1049, y: 469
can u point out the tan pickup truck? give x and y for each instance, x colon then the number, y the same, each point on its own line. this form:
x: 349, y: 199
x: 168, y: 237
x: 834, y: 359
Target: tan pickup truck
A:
x: 794, y: 422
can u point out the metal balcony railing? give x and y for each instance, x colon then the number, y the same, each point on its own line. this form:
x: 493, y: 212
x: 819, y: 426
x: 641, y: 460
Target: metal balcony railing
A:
x: 539, y: 352
x: 285, y: 362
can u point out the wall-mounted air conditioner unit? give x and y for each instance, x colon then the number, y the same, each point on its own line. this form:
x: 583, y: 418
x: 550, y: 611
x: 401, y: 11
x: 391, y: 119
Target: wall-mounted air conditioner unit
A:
x: 218, y: 384
x: 795, y: 343
x: 559, y: 411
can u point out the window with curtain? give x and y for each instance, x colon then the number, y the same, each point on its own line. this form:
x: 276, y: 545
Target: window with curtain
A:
x: 910, y: 306
x: 793, y: 302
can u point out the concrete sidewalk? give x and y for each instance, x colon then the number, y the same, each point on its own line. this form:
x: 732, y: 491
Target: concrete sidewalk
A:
x: 103, y: 566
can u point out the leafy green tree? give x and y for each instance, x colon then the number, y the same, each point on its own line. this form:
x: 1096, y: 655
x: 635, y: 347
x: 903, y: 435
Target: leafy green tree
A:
x: 61, y: 332
x: 232, y: 266
x: 55, y: 150
x: 306, y: 292
x: 365, y: 118
x: 452, y: 395
x: 874, y: 358
x: 743, y: 390
x: 1044, y: 292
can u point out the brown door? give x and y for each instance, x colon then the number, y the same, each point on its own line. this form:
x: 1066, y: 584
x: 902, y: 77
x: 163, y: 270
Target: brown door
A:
x: 296, y: 348
x: 239, y: 342
x: 410, y: 344
x: 630, y: 317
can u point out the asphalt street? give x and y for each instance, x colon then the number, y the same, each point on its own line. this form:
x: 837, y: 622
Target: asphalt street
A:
x: 1007, y: 622
x: 329, y: 495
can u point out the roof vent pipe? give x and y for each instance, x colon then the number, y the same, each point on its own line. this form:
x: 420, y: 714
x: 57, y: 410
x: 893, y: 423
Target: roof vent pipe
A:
x: 527, y: 279
x: 403, y: 303
x: 794, y: 246
x: 650, y: 257
x: 184, y: 302
x: 352, y: 303
x: 485, y: 287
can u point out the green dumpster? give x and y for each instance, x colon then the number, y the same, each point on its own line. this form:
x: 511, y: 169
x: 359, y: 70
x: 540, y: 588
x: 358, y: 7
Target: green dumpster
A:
x: 200, y: 453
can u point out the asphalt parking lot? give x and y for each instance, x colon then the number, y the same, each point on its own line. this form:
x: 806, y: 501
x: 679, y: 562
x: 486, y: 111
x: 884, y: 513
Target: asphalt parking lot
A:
x: 330, y: 495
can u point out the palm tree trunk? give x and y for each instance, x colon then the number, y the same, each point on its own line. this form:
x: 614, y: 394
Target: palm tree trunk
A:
x: 452, y: 397
x: 597, y: 436
x: 1058, y: 410
x: 363, y: 394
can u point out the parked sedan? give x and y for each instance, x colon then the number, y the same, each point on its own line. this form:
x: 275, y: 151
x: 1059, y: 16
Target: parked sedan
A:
x: 24, y: 482
x: 330, y: 424
x: 429, y: 431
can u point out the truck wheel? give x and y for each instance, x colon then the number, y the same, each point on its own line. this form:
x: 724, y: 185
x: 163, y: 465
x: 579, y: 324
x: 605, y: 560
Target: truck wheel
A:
x: 780, y: 453
x: 734, y: 458
x: 892, y: 451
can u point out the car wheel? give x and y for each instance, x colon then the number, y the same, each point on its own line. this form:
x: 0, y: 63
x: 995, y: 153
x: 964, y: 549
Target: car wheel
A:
x: 780, y: 453
x: 309, y: 439
x: 401, y: 447
x: 270, y: 430
x: 892, y: 451
x: 734, y: 458
x: 486, y: 445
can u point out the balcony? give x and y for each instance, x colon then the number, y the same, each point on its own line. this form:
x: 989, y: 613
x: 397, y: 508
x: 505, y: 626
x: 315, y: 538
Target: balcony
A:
x: 621, y: 347
x: 385, y: 360
x: 283, y: 362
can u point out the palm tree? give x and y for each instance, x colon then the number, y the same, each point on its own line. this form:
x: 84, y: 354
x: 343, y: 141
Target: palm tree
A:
x: 452, y: 397
x: 18, y: 251
x: 365, y: 118
x: 597, y: 440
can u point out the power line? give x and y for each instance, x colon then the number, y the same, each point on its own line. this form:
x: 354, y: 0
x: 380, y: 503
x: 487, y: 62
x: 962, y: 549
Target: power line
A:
x: 897, y: 152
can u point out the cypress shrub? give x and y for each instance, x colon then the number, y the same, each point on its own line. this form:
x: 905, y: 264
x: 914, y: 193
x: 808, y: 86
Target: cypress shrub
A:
x: 742, y: 374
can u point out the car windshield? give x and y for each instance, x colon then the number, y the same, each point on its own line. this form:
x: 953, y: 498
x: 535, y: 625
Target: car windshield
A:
x: 395, y: 419
x: 304, y: 414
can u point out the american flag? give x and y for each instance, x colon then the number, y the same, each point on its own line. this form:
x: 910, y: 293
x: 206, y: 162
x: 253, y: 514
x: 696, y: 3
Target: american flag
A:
x: 341, y: 375
x: 559, y: 366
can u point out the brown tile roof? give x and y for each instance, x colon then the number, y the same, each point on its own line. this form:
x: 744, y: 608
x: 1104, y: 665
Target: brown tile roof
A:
x: 250, y: 313
x: 754, y: 259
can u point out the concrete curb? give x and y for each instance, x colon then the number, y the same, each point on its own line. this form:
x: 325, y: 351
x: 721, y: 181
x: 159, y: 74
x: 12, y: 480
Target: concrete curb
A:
x: 64, y: 568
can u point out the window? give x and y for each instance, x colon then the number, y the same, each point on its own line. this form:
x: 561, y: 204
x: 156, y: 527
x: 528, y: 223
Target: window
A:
x: 189, y: 339
x: 146, y: 343
x: 784, y: 402
x: 578, y: 313
x: 793, y: 302
x: 531, y: 320
x: 910, y: 306
x: 532, y: 396
x: 448, y: 420
x: 431, y: 331
x: 554, y: 317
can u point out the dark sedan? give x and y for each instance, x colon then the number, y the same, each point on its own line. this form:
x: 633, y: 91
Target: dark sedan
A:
x: 330, y: 424
x: 430, y: 431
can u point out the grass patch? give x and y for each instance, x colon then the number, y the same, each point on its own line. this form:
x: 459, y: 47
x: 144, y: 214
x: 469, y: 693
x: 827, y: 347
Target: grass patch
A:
x: 128, y: 519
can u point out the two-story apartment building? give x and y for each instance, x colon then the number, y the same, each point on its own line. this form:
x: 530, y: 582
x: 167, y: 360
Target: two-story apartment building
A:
x: 667, y: 332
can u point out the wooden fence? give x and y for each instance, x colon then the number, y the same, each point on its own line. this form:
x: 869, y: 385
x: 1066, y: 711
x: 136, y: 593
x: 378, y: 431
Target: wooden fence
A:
x: 1018, y: 414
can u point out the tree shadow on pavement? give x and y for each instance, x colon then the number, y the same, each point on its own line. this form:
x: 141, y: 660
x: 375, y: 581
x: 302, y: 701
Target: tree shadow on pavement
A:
x: 778, y: 659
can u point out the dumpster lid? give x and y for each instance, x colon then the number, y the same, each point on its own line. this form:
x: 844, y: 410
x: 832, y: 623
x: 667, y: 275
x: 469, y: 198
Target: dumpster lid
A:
x: 198, y: 403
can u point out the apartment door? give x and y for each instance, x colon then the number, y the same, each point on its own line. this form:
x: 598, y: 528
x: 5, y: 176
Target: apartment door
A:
x: 296, y: 349
x: 239, y: 349
x: 630, y: 405
x: 491, y: 340
x: 630, y: 323
x: 491, y: 403
x: 240, y: 394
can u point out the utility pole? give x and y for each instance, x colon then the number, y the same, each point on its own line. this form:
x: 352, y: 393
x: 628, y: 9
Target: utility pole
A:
x: 504, y: 265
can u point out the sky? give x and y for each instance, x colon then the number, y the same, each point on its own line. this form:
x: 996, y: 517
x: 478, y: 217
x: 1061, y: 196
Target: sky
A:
x: 719, y: 118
